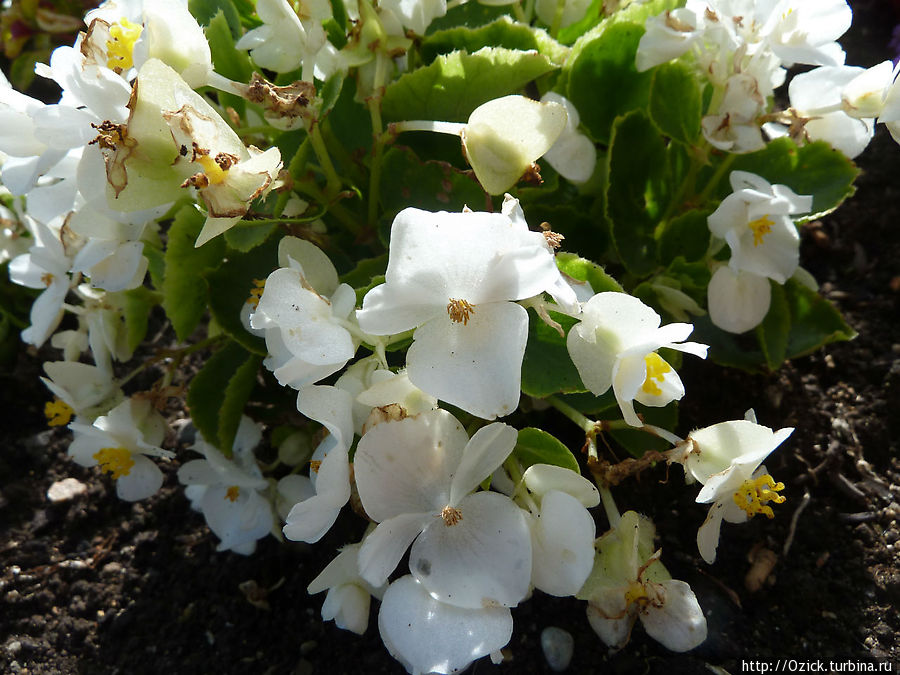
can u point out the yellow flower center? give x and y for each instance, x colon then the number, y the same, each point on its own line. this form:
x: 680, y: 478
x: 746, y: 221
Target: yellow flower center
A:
x: 232, y: 493
x: 58, y: 412
x: 754, y: 495
x: 656, y: 370
x: 214, y: 172
x: 460, y: 311
x: 636, y: 593
x: 761, y: 227
x: 256, y: 293
x: 47, y: 279
x: 122, y: 36
x: 451, y: 516
x: 116, y: 461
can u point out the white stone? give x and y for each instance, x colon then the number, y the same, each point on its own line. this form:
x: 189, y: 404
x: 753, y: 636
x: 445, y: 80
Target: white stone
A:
x: 66, y: 489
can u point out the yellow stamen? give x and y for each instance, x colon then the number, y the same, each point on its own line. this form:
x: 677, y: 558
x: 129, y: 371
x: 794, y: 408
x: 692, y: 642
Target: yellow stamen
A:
x: 122, y: 36
x: 214, y: 172
x: 754, y: 495
x: 761, y: 227
x: 58, y: 412
x: 656, y: 370
x: 117, y: 461
x: 451, y: 516
x: 314, y: 465
x: 47, y: 279
x: 256, y: 293
x: 636, y: 593
x: 233, y: 493
x: 460, y: 310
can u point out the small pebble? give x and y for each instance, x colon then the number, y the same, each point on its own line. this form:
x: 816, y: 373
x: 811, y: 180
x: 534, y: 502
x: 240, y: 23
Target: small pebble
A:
x: 66, y: 489
x: 558, y: 646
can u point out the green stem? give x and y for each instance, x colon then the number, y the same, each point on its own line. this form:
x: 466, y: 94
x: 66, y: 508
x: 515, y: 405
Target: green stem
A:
x: 374, y: 105
x: 717, y: 177
x: 332, y: 180
x: 588, y: 426
x: 295, y: 168
x: 609, y: 506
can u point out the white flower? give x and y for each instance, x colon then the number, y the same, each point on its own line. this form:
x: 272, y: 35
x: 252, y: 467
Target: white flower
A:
x: 311, y: 518
x: 738, y: 300
x: 286, y: 41
x: 573, y: 154
x: 668, y: 36
x: 227, y: 492
x: 416, y: 478
x: 79, y: 389
x: 755, y: 222
x: 628, y: 582
x: 799, y: 31
x: 349, y: 596
x: 726, y: 459
x: 416, y: 15
x: 304, y: 311
x: 735, y: 127
x: 615, y: 346
x: 816, y: 103
x: 568, y: 11
x: 46, y: 266
x: 121, y: 443
x: 872, y: 93
x: 430, y: 636
x: 562, y: 531
x: 504, y: 136
x: 124, y: 34
x: 454, y: 277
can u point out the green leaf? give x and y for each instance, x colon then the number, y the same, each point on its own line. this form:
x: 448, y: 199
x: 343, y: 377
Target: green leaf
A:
x: 21, y: 70
x: 536, y: 446
x: 774, y: 331
x: 365, y: 271
x: 246, y: 236
x: 727, y: 349
x: 815, y: 169
x: 217, y: 394
x: 636, y: 12
x: 230, y: 287
x: 137, y: 304
x: 547, y: 367
x: 814, y: 321
x: 606, y: 64
x: 330, y: 93
x: 637, y: 156
x: 503, y: 32
x: 685, y: 236
x: 469, y: 14
x: 592, y: 16
x: 588, y: 404
x: 228, y: 61
x: 184, y: 287
x: 585, y: 270
x: 205, y: 10
x: 156, y: 259
x: 676, y: 101
x: 430, y: 185
x: 452, y: 86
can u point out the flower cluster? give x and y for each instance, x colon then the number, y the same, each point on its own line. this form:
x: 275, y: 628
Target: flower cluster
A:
x: 348, y: 314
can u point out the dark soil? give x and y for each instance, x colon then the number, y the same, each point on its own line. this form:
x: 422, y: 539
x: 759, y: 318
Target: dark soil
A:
x: 97, y: 585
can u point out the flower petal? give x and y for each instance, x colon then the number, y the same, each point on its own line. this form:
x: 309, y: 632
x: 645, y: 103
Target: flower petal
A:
x: 482, y: 559
x: 428, y: 636
x: 679, y: 624
x: 476, y: 365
